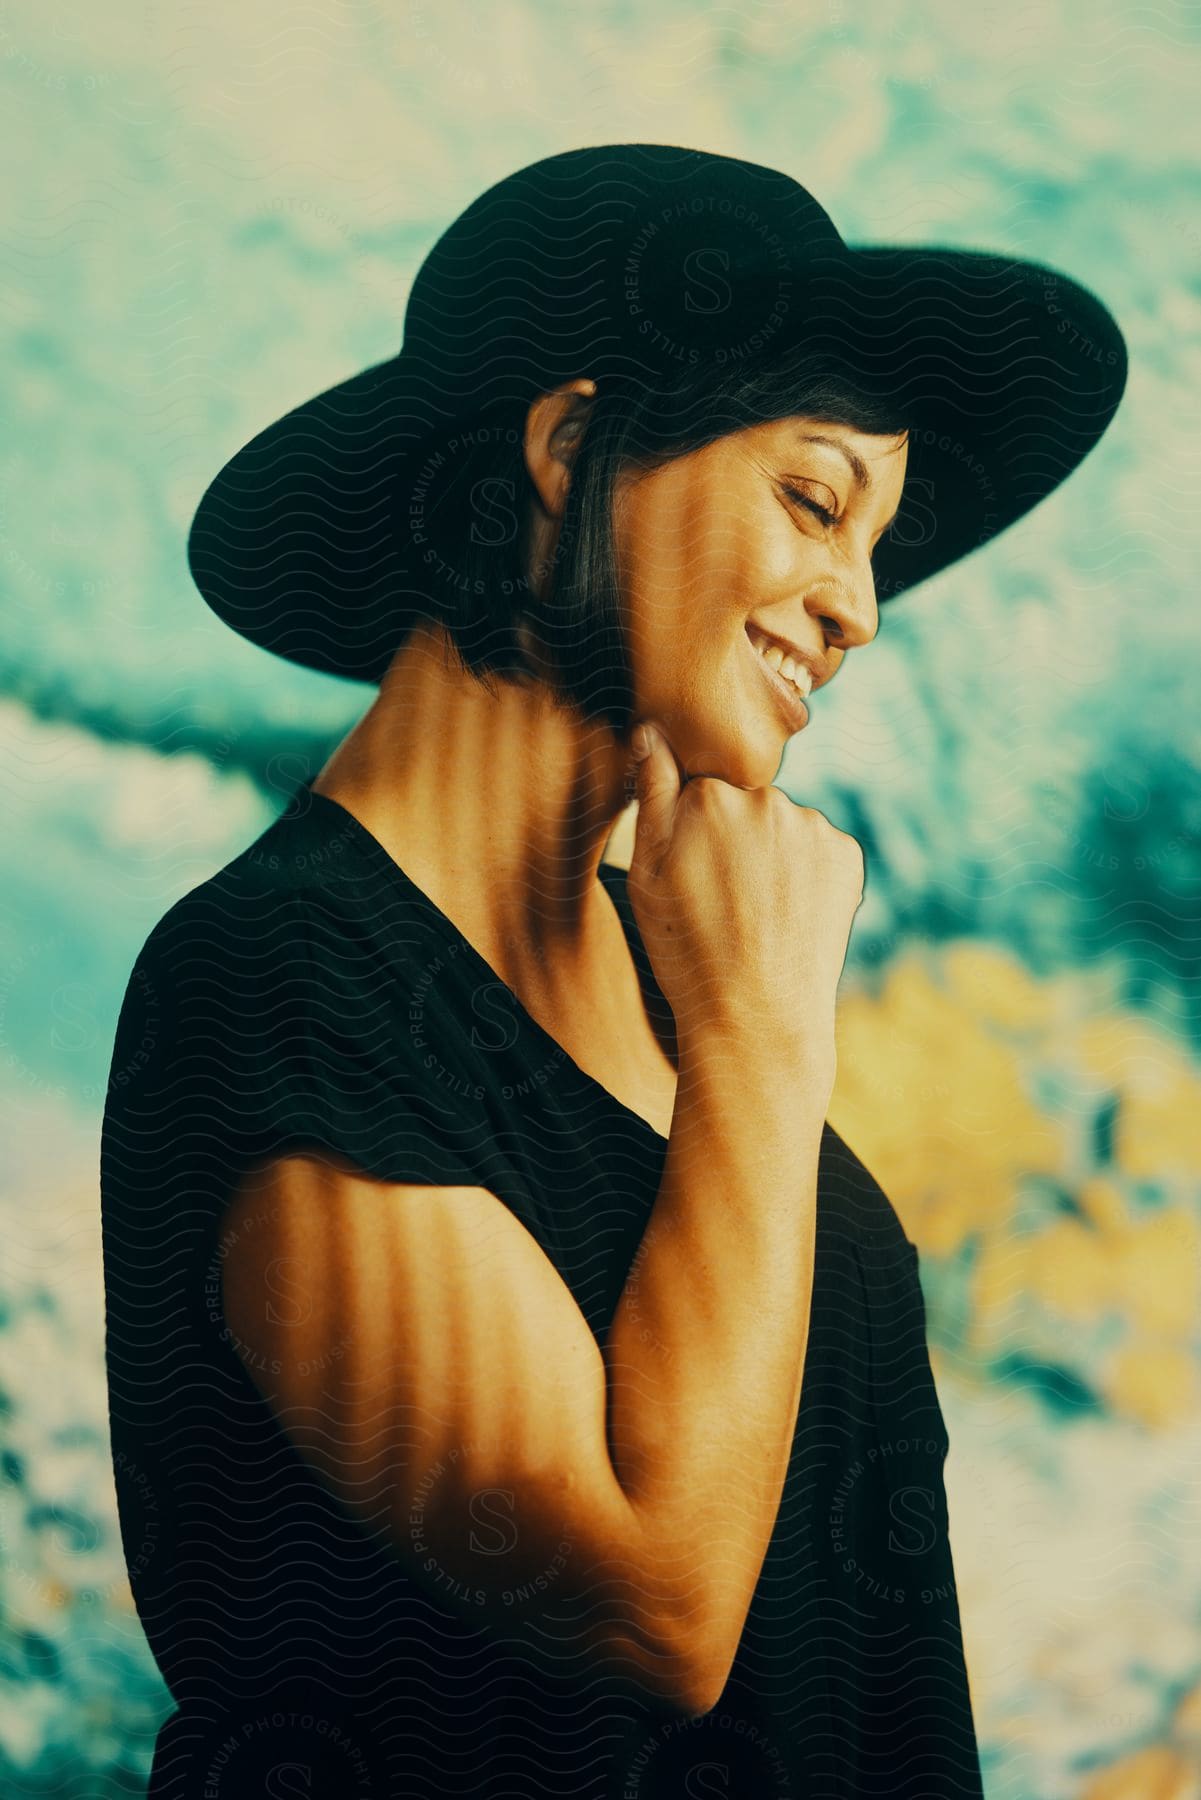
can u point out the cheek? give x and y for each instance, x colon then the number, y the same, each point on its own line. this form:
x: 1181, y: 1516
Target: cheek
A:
x: 699, y: 559
x: 750, y: 552
x: 662, y: 556
x: 694, y: 562
x: 775, y: 554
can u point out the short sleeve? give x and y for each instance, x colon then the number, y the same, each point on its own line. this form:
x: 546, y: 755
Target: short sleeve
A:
x: 255, y: 1024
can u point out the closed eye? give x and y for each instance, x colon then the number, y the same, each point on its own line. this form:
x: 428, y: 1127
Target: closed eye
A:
x: 821, y: 512
x: 828, y: 518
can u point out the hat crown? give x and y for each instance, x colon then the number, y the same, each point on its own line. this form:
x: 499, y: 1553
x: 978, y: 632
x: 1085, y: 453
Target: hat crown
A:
x: 617, y: 258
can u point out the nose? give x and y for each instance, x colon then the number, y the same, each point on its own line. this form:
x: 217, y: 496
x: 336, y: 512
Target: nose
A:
x: 847, y: 613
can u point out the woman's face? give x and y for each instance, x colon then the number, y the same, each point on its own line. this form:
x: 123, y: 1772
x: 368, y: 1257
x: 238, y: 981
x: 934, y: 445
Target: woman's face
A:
x: 724, y: 544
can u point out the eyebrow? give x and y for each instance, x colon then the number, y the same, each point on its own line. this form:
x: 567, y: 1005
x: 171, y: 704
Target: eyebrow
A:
x: 858, y: 467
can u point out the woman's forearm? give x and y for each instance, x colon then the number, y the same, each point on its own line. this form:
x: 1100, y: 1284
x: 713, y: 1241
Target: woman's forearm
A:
x: 705, y: 1355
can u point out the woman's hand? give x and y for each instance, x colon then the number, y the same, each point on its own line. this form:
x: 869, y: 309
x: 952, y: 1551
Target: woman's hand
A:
x: 744, y: 901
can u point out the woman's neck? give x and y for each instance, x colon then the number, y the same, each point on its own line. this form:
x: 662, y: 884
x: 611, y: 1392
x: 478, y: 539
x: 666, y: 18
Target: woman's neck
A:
x: 498, y: 806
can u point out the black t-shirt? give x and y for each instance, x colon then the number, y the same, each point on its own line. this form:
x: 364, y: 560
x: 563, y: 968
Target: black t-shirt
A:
x: 309, y: 995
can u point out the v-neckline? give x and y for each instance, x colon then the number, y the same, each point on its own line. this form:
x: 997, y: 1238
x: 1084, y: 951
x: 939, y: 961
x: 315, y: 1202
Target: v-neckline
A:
x: 401, y: 878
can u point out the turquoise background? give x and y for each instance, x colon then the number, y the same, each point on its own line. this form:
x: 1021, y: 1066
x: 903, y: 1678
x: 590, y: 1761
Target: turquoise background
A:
x: 214, y: 211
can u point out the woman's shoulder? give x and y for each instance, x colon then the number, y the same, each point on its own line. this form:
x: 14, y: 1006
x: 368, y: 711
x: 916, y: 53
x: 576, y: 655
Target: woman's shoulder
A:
x: 290, y: 937
x: 311, y: 872
x: 270, y: 1007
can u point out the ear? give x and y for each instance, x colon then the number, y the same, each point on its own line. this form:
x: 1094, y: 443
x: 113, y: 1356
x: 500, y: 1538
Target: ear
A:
x: 554, y: 429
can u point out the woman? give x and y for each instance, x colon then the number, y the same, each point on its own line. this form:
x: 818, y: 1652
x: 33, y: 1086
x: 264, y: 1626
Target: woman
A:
x: 529, y: 1386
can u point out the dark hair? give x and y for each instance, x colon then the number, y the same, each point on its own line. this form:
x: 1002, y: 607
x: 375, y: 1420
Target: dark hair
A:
x: 473, y: 527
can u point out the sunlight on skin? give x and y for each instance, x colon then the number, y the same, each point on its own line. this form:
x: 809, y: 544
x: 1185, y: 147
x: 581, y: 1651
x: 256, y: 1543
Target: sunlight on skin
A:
x: 728, y: 535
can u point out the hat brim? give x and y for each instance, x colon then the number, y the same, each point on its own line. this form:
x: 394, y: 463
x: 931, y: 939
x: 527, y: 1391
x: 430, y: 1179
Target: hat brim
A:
x: 1010, y: 371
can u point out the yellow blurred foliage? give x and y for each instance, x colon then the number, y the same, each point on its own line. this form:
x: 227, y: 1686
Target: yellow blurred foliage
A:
x: 1146, y: 1270
x: 1159, y: 1119
x: 1187, y: 1720
x: 995, y: 988
x: 1159, y: 1261
x: 1067, y: 1266
x: 1155, y: 1774
x: 933, y: 1101
x: 1102, y: 1201
x: 1155, y: 1383
x: 934, y: 1094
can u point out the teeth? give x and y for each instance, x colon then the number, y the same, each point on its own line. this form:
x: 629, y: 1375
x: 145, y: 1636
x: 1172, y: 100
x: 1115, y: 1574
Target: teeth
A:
x: 783, y: 664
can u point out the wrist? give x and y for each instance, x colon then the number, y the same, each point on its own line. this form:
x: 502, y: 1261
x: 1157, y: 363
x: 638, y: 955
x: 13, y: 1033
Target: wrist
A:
x: 737, y: 1088
x: 758, y: 1050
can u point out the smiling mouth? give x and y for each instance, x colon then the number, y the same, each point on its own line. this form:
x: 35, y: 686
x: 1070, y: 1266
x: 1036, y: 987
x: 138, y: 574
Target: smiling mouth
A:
x: 789, y: 694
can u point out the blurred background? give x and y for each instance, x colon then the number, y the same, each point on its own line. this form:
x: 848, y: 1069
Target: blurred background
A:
x: 215, y: 211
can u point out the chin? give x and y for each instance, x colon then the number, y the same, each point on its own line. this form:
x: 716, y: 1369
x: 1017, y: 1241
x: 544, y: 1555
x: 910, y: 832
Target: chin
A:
x: 757, y: 772
x: 724, y: 747
x: 724, y: 725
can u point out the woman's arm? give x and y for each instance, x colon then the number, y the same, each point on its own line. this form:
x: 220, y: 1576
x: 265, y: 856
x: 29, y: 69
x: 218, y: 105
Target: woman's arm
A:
x: 705, y: 1356
x: 424, y: 1355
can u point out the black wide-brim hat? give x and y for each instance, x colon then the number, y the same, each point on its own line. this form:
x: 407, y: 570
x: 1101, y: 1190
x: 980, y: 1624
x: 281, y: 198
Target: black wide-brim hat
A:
x: 637, y: 261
